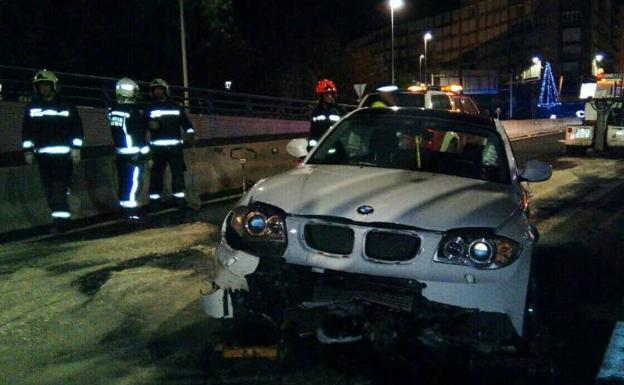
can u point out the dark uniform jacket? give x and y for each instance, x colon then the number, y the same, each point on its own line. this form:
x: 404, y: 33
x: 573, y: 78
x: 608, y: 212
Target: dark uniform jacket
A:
x: 51, y: 125
x: 170, y: 117
x: 323, y: 117
x: 128, y: 129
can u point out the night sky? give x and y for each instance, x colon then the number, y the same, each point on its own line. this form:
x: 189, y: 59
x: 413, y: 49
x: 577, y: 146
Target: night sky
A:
x: 257, y: 44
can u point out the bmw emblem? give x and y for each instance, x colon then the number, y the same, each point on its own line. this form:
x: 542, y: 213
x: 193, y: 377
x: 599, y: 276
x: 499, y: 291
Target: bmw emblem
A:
x: 365, y: 210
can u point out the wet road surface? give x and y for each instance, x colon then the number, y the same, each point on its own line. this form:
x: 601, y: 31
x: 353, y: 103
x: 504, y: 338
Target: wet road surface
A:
x: 120, y: 305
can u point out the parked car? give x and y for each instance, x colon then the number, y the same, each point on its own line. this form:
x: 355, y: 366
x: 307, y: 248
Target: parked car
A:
x: 448, y: 98
x: 377, y: 236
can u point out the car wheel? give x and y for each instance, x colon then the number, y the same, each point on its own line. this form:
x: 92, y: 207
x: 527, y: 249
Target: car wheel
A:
x: 531, y: 312
x: 576, y: 150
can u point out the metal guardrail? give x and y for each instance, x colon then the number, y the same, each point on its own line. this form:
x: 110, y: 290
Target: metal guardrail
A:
x: 98, y: 91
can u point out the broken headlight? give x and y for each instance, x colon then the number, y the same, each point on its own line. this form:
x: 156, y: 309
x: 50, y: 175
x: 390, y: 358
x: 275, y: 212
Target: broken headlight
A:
x: 258, y: 228
x: 477, y: 248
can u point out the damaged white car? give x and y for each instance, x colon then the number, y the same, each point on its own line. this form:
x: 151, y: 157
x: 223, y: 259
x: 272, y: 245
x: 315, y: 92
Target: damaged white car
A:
x: 387, y: 234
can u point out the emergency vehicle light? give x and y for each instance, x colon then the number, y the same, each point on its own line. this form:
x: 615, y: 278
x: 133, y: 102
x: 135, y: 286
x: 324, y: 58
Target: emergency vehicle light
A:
x: 417, y: 88
x: 456, y: 88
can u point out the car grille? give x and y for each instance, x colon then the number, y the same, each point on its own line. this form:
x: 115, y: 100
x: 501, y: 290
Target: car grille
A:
x: 329, y: 238
x: 395, y: 300
x: 391, y: 247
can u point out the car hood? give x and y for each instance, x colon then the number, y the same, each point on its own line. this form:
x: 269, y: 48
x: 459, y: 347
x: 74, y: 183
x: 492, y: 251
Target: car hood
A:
x: 424, y: 200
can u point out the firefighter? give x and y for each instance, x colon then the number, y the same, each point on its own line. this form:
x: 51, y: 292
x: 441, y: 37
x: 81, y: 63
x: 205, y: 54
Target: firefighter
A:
x: 387, y: 96
x: 52, y: 135
x: 165, y: 119
x: 131, y: 147
x: 327, y: 112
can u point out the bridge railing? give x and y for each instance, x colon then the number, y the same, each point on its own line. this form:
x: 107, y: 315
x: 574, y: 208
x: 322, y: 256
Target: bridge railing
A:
x: 98, y: 91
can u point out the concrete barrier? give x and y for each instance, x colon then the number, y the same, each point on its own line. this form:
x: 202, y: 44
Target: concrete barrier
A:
x: 23, y: 205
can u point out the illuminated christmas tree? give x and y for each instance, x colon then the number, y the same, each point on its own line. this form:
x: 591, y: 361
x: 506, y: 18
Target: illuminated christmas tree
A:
x: 549, y: 97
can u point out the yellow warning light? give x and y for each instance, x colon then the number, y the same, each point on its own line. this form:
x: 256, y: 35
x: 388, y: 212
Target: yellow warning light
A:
x: 456, y: 88
x: 417, y: 88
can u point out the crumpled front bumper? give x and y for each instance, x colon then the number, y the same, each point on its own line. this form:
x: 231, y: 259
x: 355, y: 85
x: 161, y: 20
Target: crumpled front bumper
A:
x: 506, y: 297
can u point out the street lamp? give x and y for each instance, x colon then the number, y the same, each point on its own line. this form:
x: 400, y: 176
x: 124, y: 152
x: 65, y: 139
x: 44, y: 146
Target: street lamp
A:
x: 420, y: 67
x: 184, y: 62
x: 428, y: 36
x: 597, y: 59
x: 394, y: 4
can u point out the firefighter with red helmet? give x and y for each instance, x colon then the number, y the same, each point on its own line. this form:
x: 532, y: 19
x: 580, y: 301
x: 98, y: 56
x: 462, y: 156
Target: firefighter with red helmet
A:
x: 327, y: 112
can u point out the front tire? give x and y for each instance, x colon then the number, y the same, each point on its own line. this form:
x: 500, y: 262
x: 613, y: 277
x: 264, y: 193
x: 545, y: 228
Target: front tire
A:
x: 576, y: 150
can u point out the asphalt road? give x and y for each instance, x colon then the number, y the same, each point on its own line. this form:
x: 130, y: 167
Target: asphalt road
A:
x: 116, y: 305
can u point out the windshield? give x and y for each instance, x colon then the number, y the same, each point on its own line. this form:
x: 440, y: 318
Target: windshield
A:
x: 402, y: 99
x: 417, y: 144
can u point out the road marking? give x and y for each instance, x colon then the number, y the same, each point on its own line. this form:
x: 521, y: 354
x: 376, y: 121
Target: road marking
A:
x: 612, y: 369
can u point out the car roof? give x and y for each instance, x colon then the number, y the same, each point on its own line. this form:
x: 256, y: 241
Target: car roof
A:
x: 459, y: 117
x: 414, y: 92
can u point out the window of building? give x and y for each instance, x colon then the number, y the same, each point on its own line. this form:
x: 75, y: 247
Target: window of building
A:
x: 482, y: 36
x: 504, y: 16
x: 570, y: 68
x: 570, y: 16
x: 482, y: 6
x: 572, y: 50
x: 472, y: 25
x: 571, y: 34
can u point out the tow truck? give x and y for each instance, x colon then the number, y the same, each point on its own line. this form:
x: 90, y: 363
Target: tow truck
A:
x: 603, y: 120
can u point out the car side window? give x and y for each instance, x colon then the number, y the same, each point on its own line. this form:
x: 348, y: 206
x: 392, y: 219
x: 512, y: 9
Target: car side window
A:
x: 441, y: 102
x: 469, y: 106
x: 459, y: 104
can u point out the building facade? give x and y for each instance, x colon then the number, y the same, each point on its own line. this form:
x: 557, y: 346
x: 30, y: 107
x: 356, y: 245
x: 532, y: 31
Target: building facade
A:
x: 501, y: 36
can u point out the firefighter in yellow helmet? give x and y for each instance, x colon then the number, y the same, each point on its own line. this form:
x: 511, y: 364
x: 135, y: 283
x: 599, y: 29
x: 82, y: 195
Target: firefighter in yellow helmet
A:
x: 52, y: 135
x: 167, y: 120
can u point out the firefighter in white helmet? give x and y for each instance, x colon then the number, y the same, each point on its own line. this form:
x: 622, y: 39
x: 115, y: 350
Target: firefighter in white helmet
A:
x: 131, y: 147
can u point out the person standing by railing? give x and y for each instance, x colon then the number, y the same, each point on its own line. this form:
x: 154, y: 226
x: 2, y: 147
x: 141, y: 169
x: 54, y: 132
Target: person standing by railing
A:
x: 165, y: 119
x: 131, y: 147
x: 52, y: 135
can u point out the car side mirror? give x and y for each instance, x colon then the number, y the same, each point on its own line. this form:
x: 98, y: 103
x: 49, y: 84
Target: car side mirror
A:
x: 536, y: 171
x: 297, y: 148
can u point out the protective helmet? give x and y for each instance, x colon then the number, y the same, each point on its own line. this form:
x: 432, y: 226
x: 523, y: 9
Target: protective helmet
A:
x: 158, y: 82
x: 46, y: 76
x: 126, y: 90
x: 324, y: 86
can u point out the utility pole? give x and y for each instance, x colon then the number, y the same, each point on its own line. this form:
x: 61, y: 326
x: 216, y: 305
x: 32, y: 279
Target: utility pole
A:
x: 510, y: 96
x: 184, y: 63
